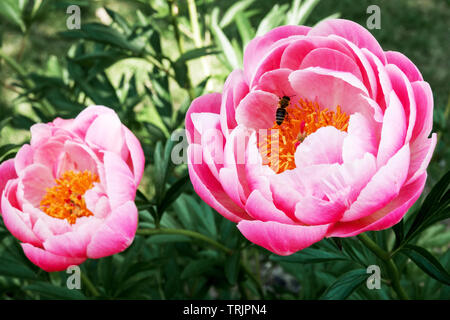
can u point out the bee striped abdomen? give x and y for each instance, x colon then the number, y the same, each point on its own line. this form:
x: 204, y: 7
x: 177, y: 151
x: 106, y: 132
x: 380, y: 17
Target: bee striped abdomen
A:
x: 280, y: 115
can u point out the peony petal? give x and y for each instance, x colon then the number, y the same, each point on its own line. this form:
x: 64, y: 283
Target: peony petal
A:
x: 206, y: 103
x: 279, y: 238
x: 116, y: 234
x: 257, y: 110
x: 7, y: 172
x: 393, y: 131
x: 136, y: 154
x: 234, y: 90
x: 351, y: 31
x: 276, y: 82
x: 24, y: 158
x: 47, y: 261
x: 33, y: 183
x: 321, y: 147
x: 106, y: 133
x: 424, y: 103
x: 403, y: 62
x: 120, y: 184
x: 264, y: 210
x: 17, y: 222
x: 209, y: 189
x: 421, y: 153
x: 384, y: 186
x: 73, y: 244
x: 363, y: 136
x: 387, y: 216
x: 331, y: 59
x: 260, y: 46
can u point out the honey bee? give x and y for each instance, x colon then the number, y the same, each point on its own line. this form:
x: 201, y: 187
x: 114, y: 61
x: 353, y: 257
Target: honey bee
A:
x: 281, y: 113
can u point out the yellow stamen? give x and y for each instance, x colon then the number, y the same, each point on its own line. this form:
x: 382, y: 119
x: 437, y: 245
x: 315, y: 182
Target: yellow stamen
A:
x: 65, y: 200
x: 302, y: 119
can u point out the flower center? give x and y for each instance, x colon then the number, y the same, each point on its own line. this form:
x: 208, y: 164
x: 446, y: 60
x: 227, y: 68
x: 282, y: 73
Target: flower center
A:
x: 65, y: 200
x: 277, y: 147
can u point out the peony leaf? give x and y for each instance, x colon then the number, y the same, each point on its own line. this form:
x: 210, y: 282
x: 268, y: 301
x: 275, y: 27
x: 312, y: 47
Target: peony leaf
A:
x: 427, y: 262
x: 345, y: 285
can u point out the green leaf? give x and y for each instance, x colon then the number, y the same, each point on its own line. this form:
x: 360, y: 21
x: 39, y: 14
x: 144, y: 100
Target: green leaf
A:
x: 235, y: 9
x: 197, y: 267
x: 434, y: 208
x: 196, y: 53
x: 309, y: 255
x: 223, y: 41
x: 174, y: 192
x: 12, y: 268
x: 345, y: 285
x: 104, y: 34
x: 10, y: 10
x: 427, y: 262
x: 52, y: 292
x: 232, y: 265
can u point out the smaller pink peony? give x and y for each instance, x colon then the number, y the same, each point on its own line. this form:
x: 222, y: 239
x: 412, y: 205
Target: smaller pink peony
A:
x: 69, y: 194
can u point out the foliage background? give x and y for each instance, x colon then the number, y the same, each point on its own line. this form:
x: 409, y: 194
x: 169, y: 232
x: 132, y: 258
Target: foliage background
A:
x: 148, y: 59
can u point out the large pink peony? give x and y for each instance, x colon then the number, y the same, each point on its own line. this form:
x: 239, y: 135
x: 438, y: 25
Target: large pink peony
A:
x: 350, y: 156
x: 69, y: 194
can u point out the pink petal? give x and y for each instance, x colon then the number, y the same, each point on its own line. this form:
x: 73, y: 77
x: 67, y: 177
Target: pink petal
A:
x: 403, y: 62
x: 74, y: 243
x: 332, y: 89
x: 120, y: 184
x: 77, y: 157
x: 424, y: 103
x: 234, y: 90
x: 47, y: 261
x: 116, y: 234
x: 264, y: 210
x: 393, y: 131
x: 136, y: 154
x: 282, y: 239
x: 331, y: 59
x: 421, y: 153
x: 384, y: 186
x: 257, y: 110
x: 106, y: 133
x: 17, y: 222
x: 260, y: 46
x: 33, y: 183
x: 85, y: 119
x: 297, y: 50
x: 209, y: 189
x: 276, y: 82
x: 404, y: 91
x: 362, y: 137
x: 321, y: 147
x: 7, y: 172
x: 24, y: 158
x: 351, y: 31
x: 206, y: 103
x: 386, y: 217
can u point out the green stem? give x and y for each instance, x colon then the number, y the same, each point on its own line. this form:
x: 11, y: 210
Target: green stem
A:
x: 391, y: 267
x: 89, y: 285
x: 188, y: 233
x: 194, y: 23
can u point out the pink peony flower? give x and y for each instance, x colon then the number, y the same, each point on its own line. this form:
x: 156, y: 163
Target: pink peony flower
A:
x: 69, y: 194
x: 350, y: 155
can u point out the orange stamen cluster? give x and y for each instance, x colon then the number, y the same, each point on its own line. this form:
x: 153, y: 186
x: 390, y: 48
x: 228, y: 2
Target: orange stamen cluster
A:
x: 277, y: 147
x: 65, y: 200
